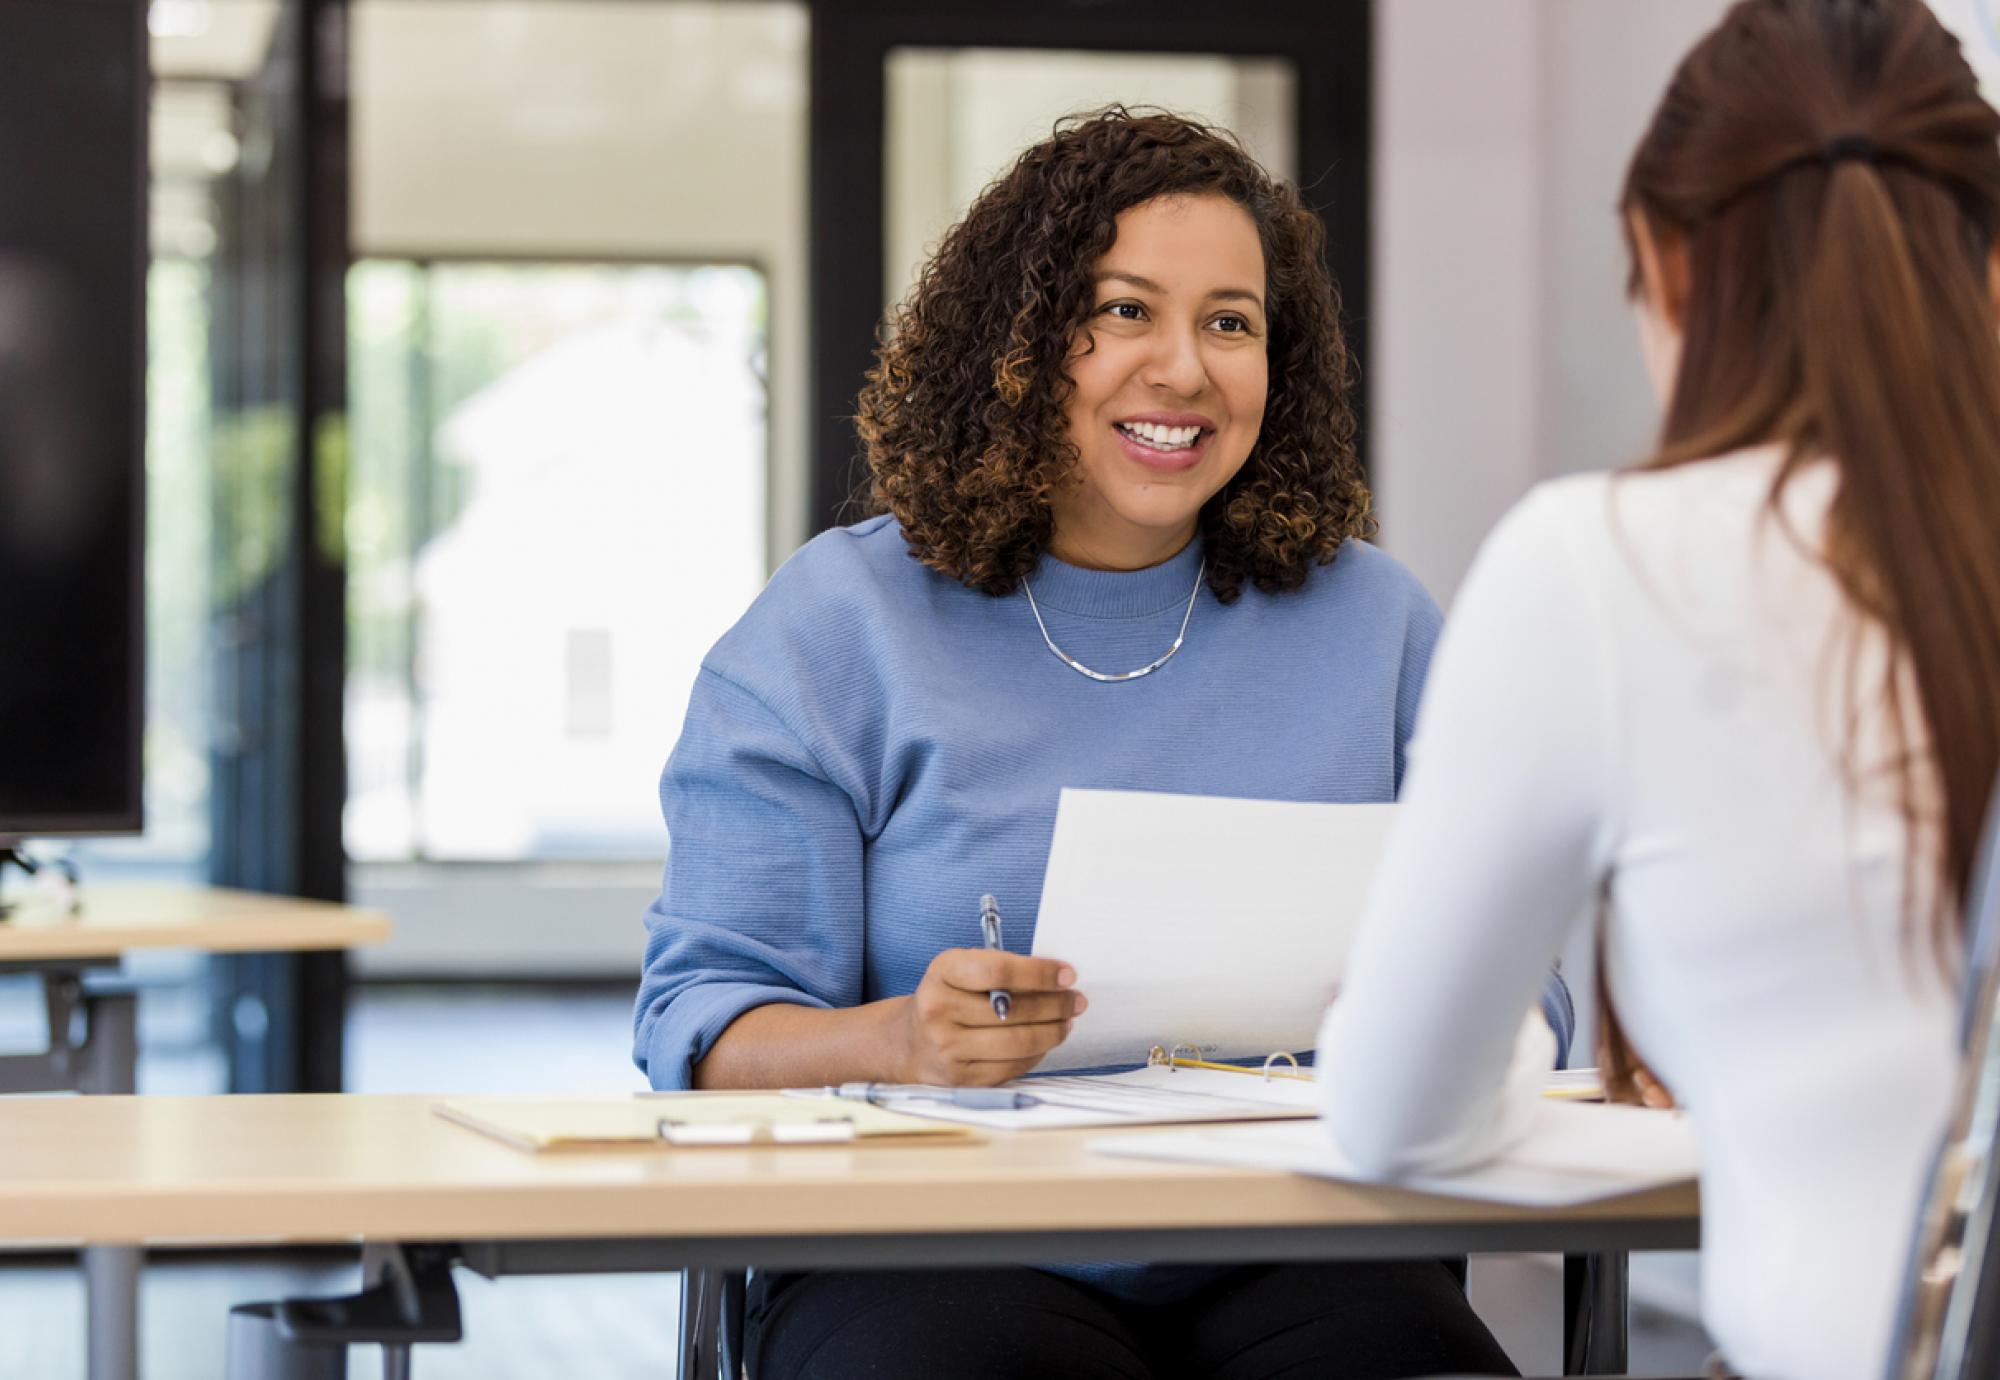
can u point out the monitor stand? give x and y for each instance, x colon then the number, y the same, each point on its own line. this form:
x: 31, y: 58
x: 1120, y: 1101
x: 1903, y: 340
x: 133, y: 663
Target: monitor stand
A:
x: 12, y: 854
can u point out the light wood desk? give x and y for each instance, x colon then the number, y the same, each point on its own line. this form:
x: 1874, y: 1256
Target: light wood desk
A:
x: 47, y: 940
x: 44, y: 939
x: 387, y: 1172
x: 118, y: 919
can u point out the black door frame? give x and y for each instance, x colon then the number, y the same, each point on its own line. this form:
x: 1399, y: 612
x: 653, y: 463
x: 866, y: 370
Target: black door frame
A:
x: 1327, y: 42
x: 280, y: 764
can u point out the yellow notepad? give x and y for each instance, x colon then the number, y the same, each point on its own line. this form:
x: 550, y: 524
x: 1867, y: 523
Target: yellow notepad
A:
x: 689, y: 1119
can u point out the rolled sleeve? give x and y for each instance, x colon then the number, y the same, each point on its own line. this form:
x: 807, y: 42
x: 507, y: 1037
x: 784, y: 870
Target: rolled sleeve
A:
x: 1559, y: 1009
x: 686, y: 1028
x: 762, y: 898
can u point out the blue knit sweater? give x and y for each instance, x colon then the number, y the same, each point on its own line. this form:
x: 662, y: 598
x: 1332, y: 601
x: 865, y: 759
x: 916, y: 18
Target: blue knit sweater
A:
x: 874, y: 745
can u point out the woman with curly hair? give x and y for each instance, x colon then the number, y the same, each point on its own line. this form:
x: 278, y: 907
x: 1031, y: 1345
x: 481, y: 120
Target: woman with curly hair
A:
x: 1119, y: 545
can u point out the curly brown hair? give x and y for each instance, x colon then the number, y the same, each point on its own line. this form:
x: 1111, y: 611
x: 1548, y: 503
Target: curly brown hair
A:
x: 962, y: 418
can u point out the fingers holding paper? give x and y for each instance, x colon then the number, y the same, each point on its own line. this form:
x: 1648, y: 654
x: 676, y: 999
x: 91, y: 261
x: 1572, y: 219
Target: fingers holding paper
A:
x: 952, y: 1034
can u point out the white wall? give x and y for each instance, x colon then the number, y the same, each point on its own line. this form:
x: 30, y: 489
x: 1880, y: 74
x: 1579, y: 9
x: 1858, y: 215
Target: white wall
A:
x: 1502, y: 345
x: 1453, y: 367
x: 1977, y: 24
x: 1501, y: 349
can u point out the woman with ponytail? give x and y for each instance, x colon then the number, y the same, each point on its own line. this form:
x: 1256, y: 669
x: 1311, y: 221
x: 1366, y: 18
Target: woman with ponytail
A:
x: 1744, y: 699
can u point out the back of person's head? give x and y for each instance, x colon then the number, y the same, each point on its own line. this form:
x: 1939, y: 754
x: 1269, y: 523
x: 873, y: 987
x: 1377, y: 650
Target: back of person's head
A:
x: 1825, y: 177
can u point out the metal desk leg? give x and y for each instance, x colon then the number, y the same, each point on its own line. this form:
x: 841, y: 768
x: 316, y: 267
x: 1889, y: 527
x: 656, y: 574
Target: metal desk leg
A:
x: 111, y: 1273
x: 111, y: 1277
x: 1595, y: 1313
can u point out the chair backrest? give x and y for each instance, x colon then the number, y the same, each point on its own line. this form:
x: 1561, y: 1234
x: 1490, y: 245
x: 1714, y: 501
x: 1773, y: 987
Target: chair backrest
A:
x: 1949, y: 1326
x: 711, y: 1340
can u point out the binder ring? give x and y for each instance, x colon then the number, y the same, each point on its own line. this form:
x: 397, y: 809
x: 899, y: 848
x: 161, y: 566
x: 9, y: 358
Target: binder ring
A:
x: 1158, y: 1057
x: 1274, y: 1058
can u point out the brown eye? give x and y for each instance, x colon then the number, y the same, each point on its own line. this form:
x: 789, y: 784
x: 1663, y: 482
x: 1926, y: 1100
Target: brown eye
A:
x: 1119, y: 310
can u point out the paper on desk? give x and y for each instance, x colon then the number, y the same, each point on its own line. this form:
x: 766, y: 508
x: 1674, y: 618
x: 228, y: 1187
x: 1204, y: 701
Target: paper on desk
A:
x: 1160, y: 1096
x: 1137, y: 1097
x: 1577, y: 1153
x: 1220, y: 923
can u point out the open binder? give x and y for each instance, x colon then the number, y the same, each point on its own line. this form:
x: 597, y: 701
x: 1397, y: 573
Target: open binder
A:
x: 1178, y: 1086
x: 1173, y: 1086
x: 1564, y: 1085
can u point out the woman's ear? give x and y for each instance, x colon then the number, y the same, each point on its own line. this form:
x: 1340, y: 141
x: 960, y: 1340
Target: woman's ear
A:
x: 1660, y: 305
x: 1663, y: 271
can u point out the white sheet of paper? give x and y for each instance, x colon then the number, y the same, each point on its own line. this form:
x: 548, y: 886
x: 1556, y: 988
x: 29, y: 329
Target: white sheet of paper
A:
x: 1577, y: 1153
x: 1218, y: 923
x: 1154, y: 1096
x: 1137, y: 1097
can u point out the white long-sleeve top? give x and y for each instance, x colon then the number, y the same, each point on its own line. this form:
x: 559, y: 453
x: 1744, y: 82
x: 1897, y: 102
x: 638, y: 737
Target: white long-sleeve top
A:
x: 1640, y: 690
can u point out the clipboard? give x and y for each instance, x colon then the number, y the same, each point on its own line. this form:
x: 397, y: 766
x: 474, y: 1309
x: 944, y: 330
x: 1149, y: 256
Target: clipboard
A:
x: 692, y: 1120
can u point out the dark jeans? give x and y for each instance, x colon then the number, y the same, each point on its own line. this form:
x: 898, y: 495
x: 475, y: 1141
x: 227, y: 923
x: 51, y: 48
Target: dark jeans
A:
x: 1372, y: 1320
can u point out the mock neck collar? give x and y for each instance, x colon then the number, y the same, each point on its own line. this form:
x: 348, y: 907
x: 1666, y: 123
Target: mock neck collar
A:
x: 1117, y: 593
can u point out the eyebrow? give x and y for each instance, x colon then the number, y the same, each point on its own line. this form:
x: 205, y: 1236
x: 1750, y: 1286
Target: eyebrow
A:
x: 1148, y: 285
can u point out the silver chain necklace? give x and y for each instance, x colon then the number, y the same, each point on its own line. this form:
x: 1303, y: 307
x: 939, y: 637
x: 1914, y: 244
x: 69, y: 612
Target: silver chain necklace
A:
x: 1108, y: 679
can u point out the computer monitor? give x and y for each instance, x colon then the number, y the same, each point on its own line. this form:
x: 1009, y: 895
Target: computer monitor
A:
x: 73, y: 83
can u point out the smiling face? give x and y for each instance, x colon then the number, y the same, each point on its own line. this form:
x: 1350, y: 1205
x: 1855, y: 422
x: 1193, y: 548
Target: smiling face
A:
x: 1171, y: 373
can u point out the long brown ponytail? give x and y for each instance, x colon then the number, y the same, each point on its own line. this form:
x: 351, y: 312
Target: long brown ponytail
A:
x: 1834, y: 177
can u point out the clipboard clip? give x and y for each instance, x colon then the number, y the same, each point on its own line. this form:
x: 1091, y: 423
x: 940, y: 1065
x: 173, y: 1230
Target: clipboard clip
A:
x: 829, y: 1130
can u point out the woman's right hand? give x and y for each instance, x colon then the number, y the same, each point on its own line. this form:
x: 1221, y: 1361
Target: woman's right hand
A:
x: 949, y: 1034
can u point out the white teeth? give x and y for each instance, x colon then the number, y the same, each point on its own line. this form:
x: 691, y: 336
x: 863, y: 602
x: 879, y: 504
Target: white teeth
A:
x: 1162, y: 437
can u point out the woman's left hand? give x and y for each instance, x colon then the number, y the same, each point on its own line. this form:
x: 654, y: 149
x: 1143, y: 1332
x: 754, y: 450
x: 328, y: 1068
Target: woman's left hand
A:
x: 1652, y: 1092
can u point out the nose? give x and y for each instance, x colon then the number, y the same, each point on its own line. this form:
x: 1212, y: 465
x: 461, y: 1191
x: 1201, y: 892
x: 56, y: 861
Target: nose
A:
x: 1175, y: 364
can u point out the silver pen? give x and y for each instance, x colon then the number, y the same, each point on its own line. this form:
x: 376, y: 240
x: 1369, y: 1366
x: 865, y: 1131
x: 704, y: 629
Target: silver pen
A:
x: 989, y: 930
x: 987, y: 1099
